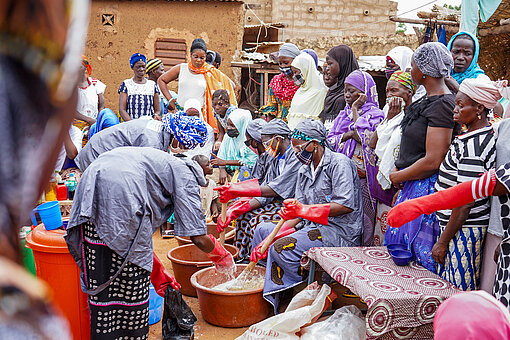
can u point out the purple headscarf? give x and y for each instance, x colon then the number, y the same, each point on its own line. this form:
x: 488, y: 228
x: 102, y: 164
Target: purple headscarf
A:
x: 369, y: 115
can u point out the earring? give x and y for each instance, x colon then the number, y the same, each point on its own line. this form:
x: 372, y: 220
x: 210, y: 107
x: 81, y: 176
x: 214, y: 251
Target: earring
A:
x: 479, y: 117
x: 424, y: 76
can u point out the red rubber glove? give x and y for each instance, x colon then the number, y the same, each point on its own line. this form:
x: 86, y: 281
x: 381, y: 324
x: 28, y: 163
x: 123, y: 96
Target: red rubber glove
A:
x: 222, y: 259
x: 317, y: 213
x: 453, y: 197
x: 229, y: 191
x: 234, y: 211
x: 161, y: 278
x: 256, y: 255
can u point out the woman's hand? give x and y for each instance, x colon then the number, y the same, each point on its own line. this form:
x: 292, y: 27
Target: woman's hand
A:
x: 395, y: 197
x: 439, y: 252
x: 217, y: 161
x: 157, y: 117
x: 217, y: 145
x: 362, y: 99
x: 348, y: 135
x: 394, y: 107
x: 223, y: 176
x: 395, y: 180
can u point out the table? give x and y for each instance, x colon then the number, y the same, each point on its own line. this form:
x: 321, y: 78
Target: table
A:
x: 402, y: 301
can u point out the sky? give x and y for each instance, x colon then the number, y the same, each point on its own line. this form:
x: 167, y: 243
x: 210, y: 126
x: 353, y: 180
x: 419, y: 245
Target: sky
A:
x: 408, y: 5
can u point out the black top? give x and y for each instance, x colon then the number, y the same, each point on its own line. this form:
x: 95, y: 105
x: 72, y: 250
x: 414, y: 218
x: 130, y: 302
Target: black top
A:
x: 433, y: 111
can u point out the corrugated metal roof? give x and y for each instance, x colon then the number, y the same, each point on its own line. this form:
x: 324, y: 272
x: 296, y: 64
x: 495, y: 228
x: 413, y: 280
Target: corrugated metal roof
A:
x: 241, y: 1
x: 372, y: 63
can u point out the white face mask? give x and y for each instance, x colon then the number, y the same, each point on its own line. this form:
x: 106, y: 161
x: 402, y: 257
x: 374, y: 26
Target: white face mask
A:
x: 402, y: 103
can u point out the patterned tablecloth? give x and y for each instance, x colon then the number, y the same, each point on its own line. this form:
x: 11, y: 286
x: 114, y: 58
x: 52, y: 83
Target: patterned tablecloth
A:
x: 399, y: 299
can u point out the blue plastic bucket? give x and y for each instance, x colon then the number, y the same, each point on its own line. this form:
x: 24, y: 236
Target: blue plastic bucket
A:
x: 50, y: 215
x: 155, y: 306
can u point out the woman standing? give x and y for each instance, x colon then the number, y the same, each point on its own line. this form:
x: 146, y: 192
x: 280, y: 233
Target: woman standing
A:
x: 138, y: 96
x: 233, y: 152
x: 458, y: 251
x: 340, y: 62
x: 155, y: 69
x: 308, y: 101
x: 351, y: 133
x: 198, y: 80
x: 282, y: 87
x: 326, y: 211
x: 427, y: 131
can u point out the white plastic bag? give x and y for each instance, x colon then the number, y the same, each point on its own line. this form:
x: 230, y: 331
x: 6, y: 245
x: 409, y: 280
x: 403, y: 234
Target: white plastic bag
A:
x: 303, y: 308
x: 347, y: 323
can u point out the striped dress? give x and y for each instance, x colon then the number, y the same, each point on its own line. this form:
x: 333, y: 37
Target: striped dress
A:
x: 470, y: 155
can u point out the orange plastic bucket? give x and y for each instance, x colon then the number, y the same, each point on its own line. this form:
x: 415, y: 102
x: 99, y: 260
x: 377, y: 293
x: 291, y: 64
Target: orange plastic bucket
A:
x: 55, y: 265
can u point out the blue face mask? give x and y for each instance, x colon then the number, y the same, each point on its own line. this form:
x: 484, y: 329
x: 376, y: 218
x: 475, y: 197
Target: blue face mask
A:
x: 287, y: 71
x: 304, y: 156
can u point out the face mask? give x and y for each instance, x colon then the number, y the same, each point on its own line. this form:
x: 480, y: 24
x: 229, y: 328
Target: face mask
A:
x: 389, y: 72
x: 232, y: 133
x: 270, y: 151
x: 249, y: 143
x: 298, y: 79
x: 287, y: 71
x: 402, y: 104
x: 304, y: 156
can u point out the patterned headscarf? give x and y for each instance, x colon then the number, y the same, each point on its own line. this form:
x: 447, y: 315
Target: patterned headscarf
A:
x: 404, y: 78
x: 85, y: 62
x: 433, y: 59
x: 137, y: 57
x: 152, y: 65
x: 189, y: 131
x: 311, y: 129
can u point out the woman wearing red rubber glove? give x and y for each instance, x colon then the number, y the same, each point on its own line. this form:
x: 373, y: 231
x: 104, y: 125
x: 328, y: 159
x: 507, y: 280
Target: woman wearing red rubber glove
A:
x: 326, y: 211
x: 278, y: 184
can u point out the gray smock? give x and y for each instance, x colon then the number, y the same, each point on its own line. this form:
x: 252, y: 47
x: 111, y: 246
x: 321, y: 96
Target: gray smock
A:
x: 262, y: 164
x: 136, y: 132
x: 336, y: 180
x: 284, y: 173
x: 130, y: 188
x: 502, y: 157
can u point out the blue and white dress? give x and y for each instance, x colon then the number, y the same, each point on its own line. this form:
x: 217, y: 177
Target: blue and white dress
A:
x: 140, y: 100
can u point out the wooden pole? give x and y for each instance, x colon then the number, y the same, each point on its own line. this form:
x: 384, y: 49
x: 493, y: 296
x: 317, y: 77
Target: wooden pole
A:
x: 224, y: 218
x: 494, y: 30
x: 423, y: 21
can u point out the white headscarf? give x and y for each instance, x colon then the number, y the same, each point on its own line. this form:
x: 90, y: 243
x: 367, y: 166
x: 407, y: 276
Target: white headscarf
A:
x: 308, y: 101
x: 401, y: 55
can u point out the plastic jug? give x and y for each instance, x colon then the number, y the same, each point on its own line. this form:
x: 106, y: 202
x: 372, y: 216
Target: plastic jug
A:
x: 61, y: 192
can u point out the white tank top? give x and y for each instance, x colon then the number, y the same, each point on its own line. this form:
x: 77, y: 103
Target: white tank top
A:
x: 190, y: 85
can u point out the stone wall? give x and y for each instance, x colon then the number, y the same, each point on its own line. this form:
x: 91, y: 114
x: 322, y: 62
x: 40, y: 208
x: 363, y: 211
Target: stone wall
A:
x: 362, y: 45
x: 319, y: 18
x: 137, y: 25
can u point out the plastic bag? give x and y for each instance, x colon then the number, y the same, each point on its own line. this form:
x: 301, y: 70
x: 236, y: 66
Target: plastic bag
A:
x: 347, y: 323
x: 178, y: 318
x: 304, y: 309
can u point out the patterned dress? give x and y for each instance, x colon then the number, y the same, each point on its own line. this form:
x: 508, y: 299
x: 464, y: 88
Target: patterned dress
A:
x: 140, y: 100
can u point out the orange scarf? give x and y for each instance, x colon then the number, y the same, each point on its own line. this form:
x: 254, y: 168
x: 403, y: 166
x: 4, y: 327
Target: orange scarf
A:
x: 215, y: 80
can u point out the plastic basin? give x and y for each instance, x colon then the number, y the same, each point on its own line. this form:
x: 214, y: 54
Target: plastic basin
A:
x: 211, y: 229
x: 229, y: 309
x: 396, y: 246
x: 401, y: 257
x: 187, y: 260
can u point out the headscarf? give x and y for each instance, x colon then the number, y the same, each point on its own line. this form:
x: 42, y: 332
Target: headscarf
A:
x: 311, y: 129
x: 188, y: 130
x: 198, y: 44
x: 152, y: 65
x: 474, y: 69
x: 276, y: 127
x: 401, y: 55
x: 234, y: 148
x: 404, y: 78
x: 214, y: 80
x: 313, y: 55
x: 308, y: 101
x: 105, y: 119
x: 85, y: 62
x: 288, y: 50
x: 335, y: 101
x: 193, y: 103
x: 487, y: 93
x: 255, y: 128
x: 433, y: 59
x: 471, y: 315
x: 137, y: 57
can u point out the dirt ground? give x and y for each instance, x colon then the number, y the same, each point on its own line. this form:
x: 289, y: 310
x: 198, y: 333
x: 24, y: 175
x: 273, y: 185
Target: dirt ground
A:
x: 203, y: 330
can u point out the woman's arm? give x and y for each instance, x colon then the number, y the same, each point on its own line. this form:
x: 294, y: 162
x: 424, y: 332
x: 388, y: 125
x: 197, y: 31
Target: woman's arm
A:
x: 457, y: 220
x: 170, y: 75
x: 157, y: 107
x: 86, y: 119
x: 220, y: 136
x: 452, y: 84
x: 71, y: 150
x: 123, y: 106
x: 437, y: 143
x: 100, y: 102
x: 373, y: 140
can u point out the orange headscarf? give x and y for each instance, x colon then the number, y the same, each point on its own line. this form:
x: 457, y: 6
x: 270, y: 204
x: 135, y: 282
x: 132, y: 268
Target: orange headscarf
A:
x: 215, y: 80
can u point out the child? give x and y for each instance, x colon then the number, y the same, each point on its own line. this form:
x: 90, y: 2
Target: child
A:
x: 222, y: 109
